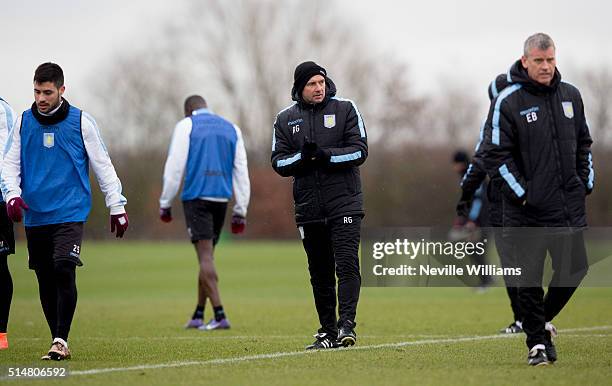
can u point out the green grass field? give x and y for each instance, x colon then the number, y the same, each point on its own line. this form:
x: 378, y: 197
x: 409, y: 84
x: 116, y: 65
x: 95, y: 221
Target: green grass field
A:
x: 134, y: 298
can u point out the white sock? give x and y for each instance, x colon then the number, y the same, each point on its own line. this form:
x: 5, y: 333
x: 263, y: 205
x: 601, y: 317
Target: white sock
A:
x: 60, y: 340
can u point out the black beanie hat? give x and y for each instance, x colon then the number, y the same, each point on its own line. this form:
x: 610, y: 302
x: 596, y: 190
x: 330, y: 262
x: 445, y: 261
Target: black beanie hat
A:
x: 303, y: 73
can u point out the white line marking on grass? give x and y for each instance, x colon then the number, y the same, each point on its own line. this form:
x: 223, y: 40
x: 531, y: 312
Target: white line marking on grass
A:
x: 276, y: 355
x: 207, y: 335
x: 200, y: 336
x: 594, y: 328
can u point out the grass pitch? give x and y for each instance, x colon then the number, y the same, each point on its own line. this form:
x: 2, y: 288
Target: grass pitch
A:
x: 134, y: 298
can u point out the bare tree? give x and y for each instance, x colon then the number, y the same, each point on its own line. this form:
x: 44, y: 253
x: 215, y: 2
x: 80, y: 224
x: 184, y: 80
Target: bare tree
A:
x: 452, y: 116
x: 240, y: 55
x: 597, y: 94
x: 138, y: 97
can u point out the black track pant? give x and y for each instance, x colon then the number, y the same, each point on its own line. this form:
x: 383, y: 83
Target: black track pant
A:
x: 6, y: 292
x: 570, y: 265
x: 7, y: 247
x: 504, y: 250
x: 58, y: 296
x: 54, y: 253
x: 332, y: 250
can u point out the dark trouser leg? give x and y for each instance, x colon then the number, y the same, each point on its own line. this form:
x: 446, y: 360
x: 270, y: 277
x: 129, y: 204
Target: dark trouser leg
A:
x: 570, y: 266
x: 556, y: 298
x: 318, y: 247
x: 504, y: 250
x: 515, y: 303
x: 532, y: 303
x: 6, y: 292
x: 48, y: 296
x: 530, y: 253
x: 345, y: 237
x: 7, y: 246
x: 65, y: 282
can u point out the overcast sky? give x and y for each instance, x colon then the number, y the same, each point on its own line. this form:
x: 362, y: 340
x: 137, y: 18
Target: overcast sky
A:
x: 466, y: 42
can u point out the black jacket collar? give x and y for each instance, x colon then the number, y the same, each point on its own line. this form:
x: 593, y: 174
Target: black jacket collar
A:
x: 519, y: 75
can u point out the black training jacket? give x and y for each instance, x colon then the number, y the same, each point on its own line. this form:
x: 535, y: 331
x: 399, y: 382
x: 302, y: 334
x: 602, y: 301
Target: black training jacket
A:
x: 332, y: 189
x: 540, y: 147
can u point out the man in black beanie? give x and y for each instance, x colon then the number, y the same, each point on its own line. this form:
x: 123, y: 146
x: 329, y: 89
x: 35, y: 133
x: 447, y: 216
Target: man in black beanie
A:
x: 320, y: 141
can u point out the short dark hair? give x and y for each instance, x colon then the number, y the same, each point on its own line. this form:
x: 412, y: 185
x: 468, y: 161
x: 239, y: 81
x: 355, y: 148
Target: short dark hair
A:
x: 194, y: 102
x: 49, y: 72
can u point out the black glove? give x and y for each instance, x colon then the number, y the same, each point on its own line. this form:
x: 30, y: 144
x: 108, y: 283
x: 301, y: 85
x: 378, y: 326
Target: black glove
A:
x: 313, y: 154
x: 309, y: 151
x: 464, y: 205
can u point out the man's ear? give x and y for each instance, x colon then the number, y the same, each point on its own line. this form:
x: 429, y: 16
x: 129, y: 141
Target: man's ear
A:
x: 524, y: 61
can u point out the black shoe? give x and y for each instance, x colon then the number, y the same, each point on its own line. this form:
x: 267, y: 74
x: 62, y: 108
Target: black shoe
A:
x: 551, y: 351
x: 537, y: 356
x: 513, y: 328
x: 346, y: 334
x: 323, y: 341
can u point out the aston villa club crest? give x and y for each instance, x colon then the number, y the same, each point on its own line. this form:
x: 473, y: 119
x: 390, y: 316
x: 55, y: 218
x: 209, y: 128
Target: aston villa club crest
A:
x: 329, y: 121
x: 568, y: 109
x: 49, y: 139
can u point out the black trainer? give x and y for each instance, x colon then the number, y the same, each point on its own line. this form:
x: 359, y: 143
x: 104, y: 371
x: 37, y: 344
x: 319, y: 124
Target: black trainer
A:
x: 513, y: 328
x: 323, y: 341
x: 346, y: 334
x: 537, y: 356
x: 551, y: 351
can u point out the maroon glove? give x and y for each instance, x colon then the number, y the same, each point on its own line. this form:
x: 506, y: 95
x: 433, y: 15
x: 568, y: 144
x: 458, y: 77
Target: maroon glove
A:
x: 165, y: 214
x: 119, y: 221
x: 238, y: 224
x: 13, y: 208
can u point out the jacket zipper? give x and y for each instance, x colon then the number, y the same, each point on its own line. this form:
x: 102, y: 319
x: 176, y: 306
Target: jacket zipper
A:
x: 558, y: 160
x: 316, y: 172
